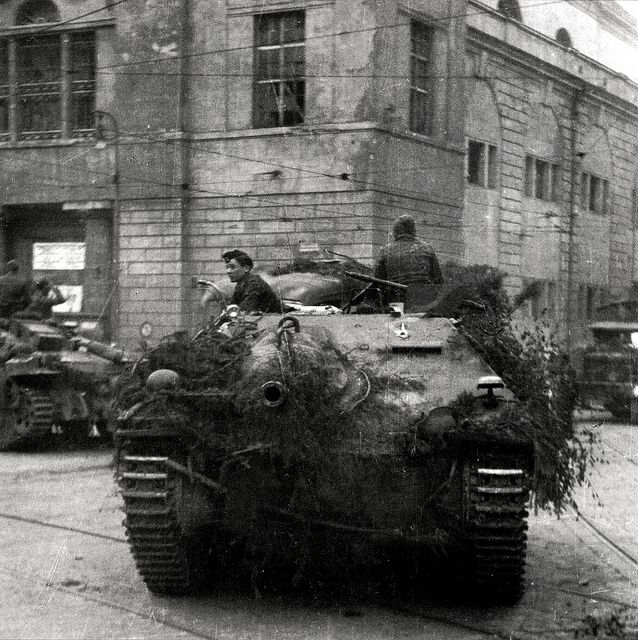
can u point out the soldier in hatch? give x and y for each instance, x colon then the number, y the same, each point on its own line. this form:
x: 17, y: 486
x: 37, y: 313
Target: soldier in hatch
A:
x: 407, y: 260
x: 44, y: 298
x: 252, y: 293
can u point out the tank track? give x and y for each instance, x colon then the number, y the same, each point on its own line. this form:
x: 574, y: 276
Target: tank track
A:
x: 29, y: 416
x: 496, y: 524
x: 167, y: 560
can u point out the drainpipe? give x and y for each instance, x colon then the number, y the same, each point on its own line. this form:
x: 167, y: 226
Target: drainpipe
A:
x: 184, y: 158
x: 574, y: 166
x: 103, y: 122
x: 634, y: 213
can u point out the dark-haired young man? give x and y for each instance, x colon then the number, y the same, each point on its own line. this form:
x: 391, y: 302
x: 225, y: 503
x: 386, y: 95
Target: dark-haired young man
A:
x: 252, y: 293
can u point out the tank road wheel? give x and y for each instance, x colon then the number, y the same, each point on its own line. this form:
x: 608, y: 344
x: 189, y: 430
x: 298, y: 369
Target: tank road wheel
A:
x: 28, y: 416
x: 165, y: 515
x: 496, y: 493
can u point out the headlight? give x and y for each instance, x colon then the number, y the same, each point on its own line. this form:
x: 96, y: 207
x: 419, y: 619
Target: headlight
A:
x: 636, y: 391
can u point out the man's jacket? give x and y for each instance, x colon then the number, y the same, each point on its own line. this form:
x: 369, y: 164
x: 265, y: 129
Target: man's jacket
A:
x: 408, y: 261
x: 252, y: 293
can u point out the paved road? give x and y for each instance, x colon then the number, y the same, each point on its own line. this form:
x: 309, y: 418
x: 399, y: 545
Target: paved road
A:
x: 65, y: 569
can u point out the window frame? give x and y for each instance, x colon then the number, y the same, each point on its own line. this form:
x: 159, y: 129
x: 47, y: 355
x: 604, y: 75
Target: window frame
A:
x: 542, y: 179
x: 510, y: 9
x: 594, y: 189
x: 486, y: 167
x: 593, y: 297
x: 564, y: 38
x: 22, y: 98
x: 545, y: 304
x: 279, y: 84
x: 421, y: 102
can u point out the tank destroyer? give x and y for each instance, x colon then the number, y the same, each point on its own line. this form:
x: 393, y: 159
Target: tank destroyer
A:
x: 374, y: 431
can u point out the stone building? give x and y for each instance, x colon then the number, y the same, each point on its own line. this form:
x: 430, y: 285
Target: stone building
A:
x: 551, y: 163
x: 138, y: 140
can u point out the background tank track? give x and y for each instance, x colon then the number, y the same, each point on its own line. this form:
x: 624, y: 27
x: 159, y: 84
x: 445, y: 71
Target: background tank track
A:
x: 169, y: 561
x: 497, y: 493
x: 29, y: 416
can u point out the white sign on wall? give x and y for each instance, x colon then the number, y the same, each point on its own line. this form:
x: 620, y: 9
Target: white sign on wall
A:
x: 58, y: 256
x: 73, y: 295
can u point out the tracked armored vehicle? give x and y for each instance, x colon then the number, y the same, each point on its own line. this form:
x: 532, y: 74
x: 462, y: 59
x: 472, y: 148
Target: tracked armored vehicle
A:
x: 53, y: 383
x: 371, y: 431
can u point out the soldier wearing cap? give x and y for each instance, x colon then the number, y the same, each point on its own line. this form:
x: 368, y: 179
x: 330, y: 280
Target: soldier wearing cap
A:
x: 252, y: 293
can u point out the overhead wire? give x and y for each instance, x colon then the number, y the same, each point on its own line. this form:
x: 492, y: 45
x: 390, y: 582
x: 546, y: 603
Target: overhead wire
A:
x: 367, y: 184
x: 379, y: 188
x: 345, y: 32
x: 54, y: 26
x: 403, y: 194
x: 172, y: 58
x: 267, y: 198
x: 264, y: 201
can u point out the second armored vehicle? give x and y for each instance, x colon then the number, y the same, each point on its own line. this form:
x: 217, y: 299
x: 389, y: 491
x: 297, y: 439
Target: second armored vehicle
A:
x: 53, y: 383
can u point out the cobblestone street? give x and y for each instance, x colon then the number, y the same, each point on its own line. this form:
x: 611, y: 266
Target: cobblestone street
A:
x: 66, y: 571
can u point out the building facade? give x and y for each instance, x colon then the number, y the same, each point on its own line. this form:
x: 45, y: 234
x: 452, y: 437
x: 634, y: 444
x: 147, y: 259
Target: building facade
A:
x: 551, y: 98
x: 138, y: 141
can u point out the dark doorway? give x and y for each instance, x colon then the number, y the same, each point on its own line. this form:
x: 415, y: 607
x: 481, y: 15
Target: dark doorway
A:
x: 71, y: 249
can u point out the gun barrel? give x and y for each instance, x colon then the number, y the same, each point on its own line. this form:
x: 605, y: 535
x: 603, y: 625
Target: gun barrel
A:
x: 386, y: 283
x: 103, y: 350
x: 274, y: 393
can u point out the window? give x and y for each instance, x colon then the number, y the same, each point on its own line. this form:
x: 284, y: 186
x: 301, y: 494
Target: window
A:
x: 420, y: 78
x: 542, y: 179
x: 594, y: 193
x: 61, y: 260
x: 280, y: 67
x: 82, y: 60
x: 563, y: 37
x: 49, y: 81
x: 4, y: 90
x: 551, y: 298
x: 589, y: 300
x: 37, y: 12
x: 543, y: 304
x: 510, y: 9
x: 593, y: 297
x: 481, y: 164
x: 634, y: 208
